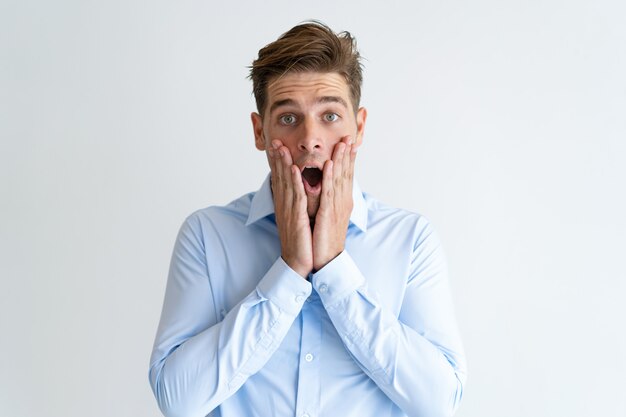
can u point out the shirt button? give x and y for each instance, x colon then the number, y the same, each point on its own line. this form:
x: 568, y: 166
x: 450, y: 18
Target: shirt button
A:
x: 299, y: 298
x: 323, y: 288
x: 308, y: 357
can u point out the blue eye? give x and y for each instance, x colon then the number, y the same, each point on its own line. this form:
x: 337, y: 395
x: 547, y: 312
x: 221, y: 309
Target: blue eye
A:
x: 287, y: 119
x: 331, y: 117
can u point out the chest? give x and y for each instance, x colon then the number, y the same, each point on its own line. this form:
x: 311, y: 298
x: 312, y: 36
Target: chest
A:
x: 237, y: 262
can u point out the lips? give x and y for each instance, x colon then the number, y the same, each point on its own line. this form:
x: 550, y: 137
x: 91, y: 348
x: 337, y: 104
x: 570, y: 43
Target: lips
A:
x: 313, y: 176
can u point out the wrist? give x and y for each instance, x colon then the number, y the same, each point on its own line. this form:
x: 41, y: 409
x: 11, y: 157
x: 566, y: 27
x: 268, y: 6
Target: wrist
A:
x: 297, y: 267
x: 325, y: 260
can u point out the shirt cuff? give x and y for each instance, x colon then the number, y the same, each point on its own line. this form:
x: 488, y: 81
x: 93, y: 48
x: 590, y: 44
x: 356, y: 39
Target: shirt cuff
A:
x: 284, y: 287
x: 337, y: 279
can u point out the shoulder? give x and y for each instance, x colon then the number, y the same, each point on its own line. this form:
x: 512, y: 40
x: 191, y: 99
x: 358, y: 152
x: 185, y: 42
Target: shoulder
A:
x: 382, y: 215
x: 215, y: 217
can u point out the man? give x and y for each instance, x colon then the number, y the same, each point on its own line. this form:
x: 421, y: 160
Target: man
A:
x: 307, y: 298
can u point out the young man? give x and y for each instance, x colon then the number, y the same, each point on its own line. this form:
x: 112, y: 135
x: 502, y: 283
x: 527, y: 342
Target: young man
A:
x: 307, y: 298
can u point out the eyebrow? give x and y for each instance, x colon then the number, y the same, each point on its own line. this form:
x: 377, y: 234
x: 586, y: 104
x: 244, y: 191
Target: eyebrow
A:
x: 280, y: 103
x: 332, y: 99
x: 320, y: 100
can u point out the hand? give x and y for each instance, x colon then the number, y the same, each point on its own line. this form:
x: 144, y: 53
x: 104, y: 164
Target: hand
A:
x: 290, y: 205
x: 333, y: 216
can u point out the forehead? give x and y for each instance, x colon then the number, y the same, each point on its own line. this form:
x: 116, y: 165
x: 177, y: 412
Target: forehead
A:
x: 303, y: 87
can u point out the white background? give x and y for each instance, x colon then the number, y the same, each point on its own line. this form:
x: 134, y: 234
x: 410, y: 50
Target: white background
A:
x: 504, y: 122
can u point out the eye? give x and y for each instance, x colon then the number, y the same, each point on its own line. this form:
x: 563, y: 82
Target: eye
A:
x: 331, y: 117
x: 287, y: 119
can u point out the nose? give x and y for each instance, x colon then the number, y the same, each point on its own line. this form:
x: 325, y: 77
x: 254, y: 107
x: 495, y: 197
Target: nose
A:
x: 311, y: 136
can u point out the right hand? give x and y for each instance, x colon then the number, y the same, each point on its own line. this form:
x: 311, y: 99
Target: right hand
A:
x: 290, y: 205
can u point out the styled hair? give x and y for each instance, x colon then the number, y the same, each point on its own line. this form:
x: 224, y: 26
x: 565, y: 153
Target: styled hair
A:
x: 309, y: 47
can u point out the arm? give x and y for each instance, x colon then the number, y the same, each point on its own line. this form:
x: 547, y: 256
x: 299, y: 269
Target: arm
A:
x: 415, y: 358
x: 198, y: 359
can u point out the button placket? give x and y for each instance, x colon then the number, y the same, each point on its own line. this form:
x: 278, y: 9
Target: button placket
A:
x: 309, y: 383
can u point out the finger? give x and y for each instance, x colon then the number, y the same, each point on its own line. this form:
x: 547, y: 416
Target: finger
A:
x: 283, y: 170
x: 337, y: 158
x: 338, y: 150
x: 351, y: 158
x: 285, y: 163
x: 347, y: 169
x: 278, y: 173
x: 343, y: 180
x: 274, y: 160
x: 276, y: 168
x: 286, y: 155
x: 328, y: 191
x: 299, y: 195
x: 271, y: 153
x: 347, y: 173
x: 350, y: 145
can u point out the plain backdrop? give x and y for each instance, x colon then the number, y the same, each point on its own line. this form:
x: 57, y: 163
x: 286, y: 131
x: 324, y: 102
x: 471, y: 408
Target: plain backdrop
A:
x: 504, y: 122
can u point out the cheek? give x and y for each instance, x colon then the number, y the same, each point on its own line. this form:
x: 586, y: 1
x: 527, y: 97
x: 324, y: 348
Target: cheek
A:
x: 274, y: 132
x: 339, y: 130
x: 288, y: 137
x: 351, y: 128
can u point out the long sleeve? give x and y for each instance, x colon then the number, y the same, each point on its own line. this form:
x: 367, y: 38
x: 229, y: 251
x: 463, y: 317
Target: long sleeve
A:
x: 200, y: 358
x: 415, y: 357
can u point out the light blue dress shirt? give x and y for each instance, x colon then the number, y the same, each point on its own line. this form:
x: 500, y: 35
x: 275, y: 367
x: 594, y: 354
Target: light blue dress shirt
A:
x: 371, y: 334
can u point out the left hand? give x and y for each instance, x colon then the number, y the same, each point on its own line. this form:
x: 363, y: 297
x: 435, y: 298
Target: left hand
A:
x: 333, y: 215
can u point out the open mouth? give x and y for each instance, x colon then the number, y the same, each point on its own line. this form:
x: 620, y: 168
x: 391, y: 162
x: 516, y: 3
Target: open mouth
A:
x: 312, y: 176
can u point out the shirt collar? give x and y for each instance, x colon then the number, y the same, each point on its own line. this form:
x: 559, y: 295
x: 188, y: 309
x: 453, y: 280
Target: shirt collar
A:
x: 262, y: 205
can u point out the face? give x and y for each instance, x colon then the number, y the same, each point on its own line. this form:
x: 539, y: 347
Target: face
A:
x: 309, y: 113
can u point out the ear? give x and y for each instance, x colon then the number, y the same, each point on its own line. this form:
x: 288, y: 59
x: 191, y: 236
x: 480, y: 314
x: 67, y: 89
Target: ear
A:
x: 257, y: 127
x: 361, y: 117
